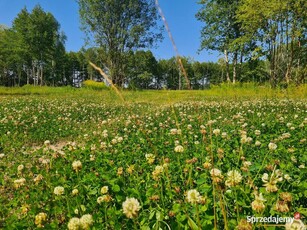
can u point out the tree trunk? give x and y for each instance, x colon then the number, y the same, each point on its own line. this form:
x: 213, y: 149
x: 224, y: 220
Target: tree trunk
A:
x: 235, y: 60
x: 33, y: 73
x: 19, y: 76
x: 28, y: 76
x: 179, y: 79
x: 41, y: 74
x: 289, y: 65
x: 227, y: 66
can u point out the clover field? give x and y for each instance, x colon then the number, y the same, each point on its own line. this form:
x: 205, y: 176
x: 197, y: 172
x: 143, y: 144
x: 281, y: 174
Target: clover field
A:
x: 72, y: 161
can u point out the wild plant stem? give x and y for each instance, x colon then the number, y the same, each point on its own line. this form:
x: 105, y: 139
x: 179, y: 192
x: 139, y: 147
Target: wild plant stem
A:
x: 213, y: 188
x: 197, y: 216
x: 264, y: 159
x: 223, y: 212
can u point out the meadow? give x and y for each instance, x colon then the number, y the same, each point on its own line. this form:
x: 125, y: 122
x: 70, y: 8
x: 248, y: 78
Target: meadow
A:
x: 85, y: 159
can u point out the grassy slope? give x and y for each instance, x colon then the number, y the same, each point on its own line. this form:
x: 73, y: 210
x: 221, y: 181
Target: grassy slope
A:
x: 31, y: 115
x: 162, y: 96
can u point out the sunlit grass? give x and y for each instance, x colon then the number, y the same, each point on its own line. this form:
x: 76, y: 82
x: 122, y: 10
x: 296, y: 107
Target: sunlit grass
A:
x: 179, y: 159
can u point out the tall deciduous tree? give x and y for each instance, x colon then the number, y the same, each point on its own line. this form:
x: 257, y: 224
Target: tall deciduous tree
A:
x: 220, y: 31
x: 119, y: 26
x: 41, y: 40
x: 143, y: 70
x: 279, y: 29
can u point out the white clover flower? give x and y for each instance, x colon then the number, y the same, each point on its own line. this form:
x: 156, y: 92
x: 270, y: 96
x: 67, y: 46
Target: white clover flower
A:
x: 47, y: 143
x: 243, y: 139
x: 103, y: 145
x: 75, y: 192
x: 150, y: 158
x: 2, y: 155
x: 131, y: 207
x: 293, y: 158
x: 77, y: 165
x: 289, y: 124
x: 272, y: 146
x: 257, y: 143
x: 19, y: 182
x: 20, y: 168
x: 257, y: 132
x: 224, y: 134
x: 59, y: 190
x: 216, y: 132
x: 104, y: 190
x: 270, y: 182
x: 233, y: 178
x: 175, y: 131
x: 86, y: 221
x: 38, y: 178
x: 113, y: 141
x: 193, y: 196
x: 287, y: 177
x: 40, y: 218
x: 207, y: 165
x: 99, y: 199
x: 295, y: 225
x: 104, y: 198
x: 302, y: 166
x: 258, y: 203
x: 249, y: 139
x: 74, y: 224
x: 215, y: 172
x: 286, y: 135
x: 265, y: 177
x: 211, y: 122
x: 157, y: 172
x: 120, y: 139
x: 179, y: 149
x: 216, y: 175
x: 247, y: 163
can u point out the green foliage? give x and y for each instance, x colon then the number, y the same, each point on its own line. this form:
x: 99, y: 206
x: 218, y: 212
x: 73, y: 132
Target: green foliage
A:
x: 142, y: 71
x: 36, y: 90
x: 31, y: 48
x: 279, y: 30
x: 42, y: 138
x: 251, y: 31
x: 118, y: 27
x: 94, y: 85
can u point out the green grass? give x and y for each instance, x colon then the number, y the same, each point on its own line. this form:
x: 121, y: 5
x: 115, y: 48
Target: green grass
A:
x: 96, y: 90
x: 45, y: 131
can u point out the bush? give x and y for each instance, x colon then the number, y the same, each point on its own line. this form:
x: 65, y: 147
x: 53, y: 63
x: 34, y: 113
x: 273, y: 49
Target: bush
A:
x: 94, y: 85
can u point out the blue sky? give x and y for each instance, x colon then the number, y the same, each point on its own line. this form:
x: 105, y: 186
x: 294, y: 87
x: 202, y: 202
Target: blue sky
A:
x: 180, y: 15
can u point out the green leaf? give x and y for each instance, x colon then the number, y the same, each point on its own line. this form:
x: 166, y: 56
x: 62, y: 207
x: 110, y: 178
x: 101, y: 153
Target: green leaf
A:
x: 83, y: 208
x: 192, y: 224
x: 151, y: 215
x: 115, y: 188
x: 159, y: 216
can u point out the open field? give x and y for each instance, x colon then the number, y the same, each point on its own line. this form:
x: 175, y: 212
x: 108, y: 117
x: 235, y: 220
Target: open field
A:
x: 191, y: 159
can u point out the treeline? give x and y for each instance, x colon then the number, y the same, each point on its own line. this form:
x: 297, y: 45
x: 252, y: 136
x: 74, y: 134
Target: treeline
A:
x: 248, y: 30
x: 261, y: 41
x: 33, y: 52
x: 143, y: 71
